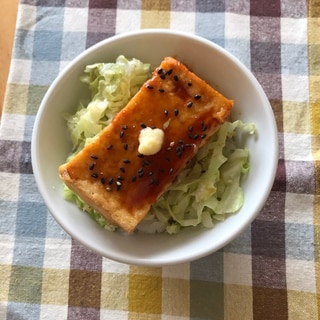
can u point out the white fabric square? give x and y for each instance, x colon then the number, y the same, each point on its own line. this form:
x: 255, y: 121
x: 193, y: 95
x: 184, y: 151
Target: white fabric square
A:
x: 127, y: 20
x: 295, y: 88
x: 53, y: 312
x: 3, y: 310
x: 113, y: 314
x: 114, y: 266
x: 178, y: 21
x: 289, y: 27
x: 57, y: 254
x: 296, y: 278
x: 7, y: 245
x: 75, y: 19
x: 237, y: 26
x: 26, y: 17
x: 297, y: 203
x: 237, y: 269
x: 20, y: 71
x: 13, y: 127
x: 297, y: 147
x: 11, y: 191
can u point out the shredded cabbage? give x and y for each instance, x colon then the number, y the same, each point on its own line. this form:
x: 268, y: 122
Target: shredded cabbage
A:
x: 111, y: 85
x: 208, y: 190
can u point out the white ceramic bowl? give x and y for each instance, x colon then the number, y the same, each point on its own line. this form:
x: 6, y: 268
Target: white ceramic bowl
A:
x: 50, y: 146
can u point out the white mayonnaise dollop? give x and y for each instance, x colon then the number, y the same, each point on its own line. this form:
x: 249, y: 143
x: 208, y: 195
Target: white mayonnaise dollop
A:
x: 150, y: 141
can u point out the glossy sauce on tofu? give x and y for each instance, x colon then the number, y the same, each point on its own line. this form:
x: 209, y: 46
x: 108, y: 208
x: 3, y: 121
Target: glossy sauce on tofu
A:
x: 110, y: 172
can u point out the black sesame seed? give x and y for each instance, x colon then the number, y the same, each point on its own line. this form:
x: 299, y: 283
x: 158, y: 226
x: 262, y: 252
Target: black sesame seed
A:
x: 123, y: 170
x: 121, y: 134
x: 118, y: 187
x: 189, y: 104
x: 125, y: 127
x: 149, y: 87
x: 109, y: 146
x: 188, y: 145
x: 178, y: 149
x: 110, y: 181
x: 134, y: 178
x: 180, y: 141
x: 126, y: 161
x: 168, y: 158
x: 189, y: 83
x: 161, y: 90
x: 103, y: 180
x: 196, y: 136
x: 140, y: 174
x: 120, y: 178
x: 203, y: 136
x: 91, y: 167
x: 190, y: 129
x: 204, y: 128
x: 163, y: 76
x: 142, y: 125
x: 94, y: 175
x: 94, y: 157
x: 145, y: 163
x: 154, y: 181
x: 176, y: 78
x: 176, y: 112
x: 160, y: 71
x: 166, y: 112
x: 125, y: 146
x: 197, y: 96
x: 140, y: 155
x: 169, y: 72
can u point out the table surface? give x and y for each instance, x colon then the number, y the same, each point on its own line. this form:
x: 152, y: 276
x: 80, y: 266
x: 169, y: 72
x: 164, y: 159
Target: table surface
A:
x: 271, y: 271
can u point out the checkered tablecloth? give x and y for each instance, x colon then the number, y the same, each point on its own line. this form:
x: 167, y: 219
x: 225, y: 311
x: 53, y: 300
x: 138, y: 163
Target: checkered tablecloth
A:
x: 271, y: 271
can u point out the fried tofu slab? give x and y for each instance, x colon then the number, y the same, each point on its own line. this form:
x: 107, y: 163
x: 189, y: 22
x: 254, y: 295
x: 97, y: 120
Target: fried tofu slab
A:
x: 113, y: 177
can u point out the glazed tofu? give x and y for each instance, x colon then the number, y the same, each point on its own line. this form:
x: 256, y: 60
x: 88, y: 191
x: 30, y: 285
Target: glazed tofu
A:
x: 133, y: 161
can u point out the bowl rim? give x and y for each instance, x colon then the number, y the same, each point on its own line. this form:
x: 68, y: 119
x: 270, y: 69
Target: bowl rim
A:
x: 154, y: 262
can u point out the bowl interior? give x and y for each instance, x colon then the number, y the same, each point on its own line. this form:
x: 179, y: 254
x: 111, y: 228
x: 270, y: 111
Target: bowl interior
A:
x: 50, y: 146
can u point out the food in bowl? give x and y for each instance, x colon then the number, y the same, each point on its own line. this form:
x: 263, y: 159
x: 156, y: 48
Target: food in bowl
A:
x: 51, y: 145
x: 119, y: 176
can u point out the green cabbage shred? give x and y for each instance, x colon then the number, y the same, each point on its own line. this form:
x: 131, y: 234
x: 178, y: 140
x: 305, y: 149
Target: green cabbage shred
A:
x: 207, y: 191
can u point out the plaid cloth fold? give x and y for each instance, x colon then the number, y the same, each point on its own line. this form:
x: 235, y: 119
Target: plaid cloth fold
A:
x: 271, y: 271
